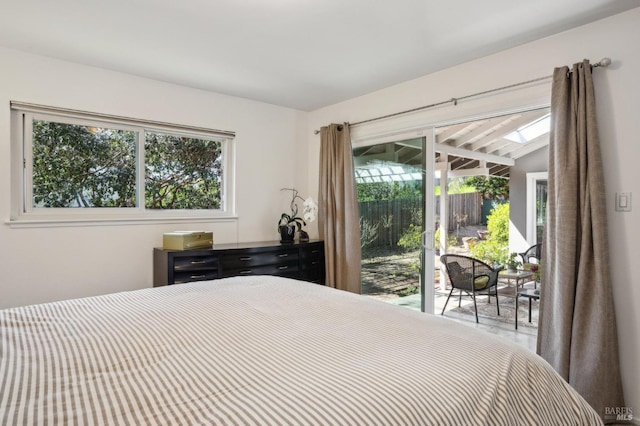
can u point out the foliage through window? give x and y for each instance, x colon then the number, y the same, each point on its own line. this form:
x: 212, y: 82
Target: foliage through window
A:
x: 82, y: 166
x: 182, y: 172
x: 87, y: 164
x: 492, y: 187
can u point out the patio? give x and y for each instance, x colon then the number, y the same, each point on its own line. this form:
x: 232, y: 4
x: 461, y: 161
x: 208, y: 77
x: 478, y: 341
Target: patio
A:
x: 391, y: 276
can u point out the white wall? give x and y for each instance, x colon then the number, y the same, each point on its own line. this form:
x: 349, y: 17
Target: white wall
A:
x: 53, y: 263
x: 618, y: 96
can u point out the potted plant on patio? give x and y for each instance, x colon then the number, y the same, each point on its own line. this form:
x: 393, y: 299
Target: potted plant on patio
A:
x: 513, y: 263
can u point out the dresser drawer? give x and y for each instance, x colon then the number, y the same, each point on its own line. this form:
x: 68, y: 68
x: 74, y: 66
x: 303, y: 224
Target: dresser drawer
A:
x: 180, y: 277
x: 314, y: 252
x: 284, y: 268
x: 312, y: 263
x: 195, y: 263
x: 245, y: 260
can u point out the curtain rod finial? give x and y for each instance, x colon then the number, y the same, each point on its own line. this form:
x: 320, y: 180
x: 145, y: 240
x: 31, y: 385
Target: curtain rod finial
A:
x: 604, y: 62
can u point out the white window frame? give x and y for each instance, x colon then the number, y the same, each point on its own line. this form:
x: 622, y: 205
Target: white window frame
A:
x: 23, y: 213
x: 532, y: 212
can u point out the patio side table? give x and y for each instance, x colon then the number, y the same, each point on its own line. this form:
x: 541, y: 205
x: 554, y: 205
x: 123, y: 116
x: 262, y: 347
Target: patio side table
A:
x: 518, y: 278
x: 529, y: 294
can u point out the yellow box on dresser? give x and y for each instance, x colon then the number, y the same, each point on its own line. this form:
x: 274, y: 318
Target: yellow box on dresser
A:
x: 187, y: 240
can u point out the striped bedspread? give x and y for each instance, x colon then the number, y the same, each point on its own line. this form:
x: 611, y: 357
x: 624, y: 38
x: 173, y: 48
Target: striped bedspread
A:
x: 265, y: 351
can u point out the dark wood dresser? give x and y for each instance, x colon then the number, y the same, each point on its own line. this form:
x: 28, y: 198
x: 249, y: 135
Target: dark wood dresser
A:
x: 303, y: 261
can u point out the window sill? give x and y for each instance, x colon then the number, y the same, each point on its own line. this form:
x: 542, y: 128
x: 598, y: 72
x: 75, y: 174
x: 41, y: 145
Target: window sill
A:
x: 117, y: 221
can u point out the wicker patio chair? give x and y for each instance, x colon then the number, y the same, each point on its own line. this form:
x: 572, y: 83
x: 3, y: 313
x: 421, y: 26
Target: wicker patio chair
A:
x: 533, y: 252
x: 470, y: 276
x: 531, y: 260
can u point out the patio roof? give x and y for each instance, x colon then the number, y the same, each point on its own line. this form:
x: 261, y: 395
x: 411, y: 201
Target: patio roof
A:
x: 488, y: 146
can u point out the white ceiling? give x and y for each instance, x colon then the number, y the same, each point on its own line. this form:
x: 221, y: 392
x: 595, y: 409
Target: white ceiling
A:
x: 301, y: 54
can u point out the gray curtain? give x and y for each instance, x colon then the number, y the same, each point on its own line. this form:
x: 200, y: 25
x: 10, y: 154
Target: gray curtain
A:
x: 577, y: 325
x: 338, y: 218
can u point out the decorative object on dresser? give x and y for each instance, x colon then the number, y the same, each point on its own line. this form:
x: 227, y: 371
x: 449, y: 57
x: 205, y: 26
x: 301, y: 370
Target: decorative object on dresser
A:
x: 290, y: 221
x: 302, y: 260
x: 303, y: 237
x: 187, y: 240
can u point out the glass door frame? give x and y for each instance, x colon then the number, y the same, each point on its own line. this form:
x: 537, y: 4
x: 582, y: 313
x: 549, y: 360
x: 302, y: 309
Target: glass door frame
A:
x: 424, y: 123
x: 427, y: 252
x: 428, y: 246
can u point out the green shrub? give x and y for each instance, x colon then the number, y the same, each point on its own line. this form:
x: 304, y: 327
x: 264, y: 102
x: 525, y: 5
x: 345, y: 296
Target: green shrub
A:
x: 495, y: 249
x: 490, y: 187
x: 368, y: 232
x: 498, y: 223
x: 411, y: 239
x: 409, y: 291
x: 452, y: 240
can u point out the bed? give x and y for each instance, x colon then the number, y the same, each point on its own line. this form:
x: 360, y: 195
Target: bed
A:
x: 265, y: 351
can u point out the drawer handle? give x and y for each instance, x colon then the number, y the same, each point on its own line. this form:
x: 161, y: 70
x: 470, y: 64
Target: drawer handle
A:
x: 246, y: 272
x: 283, y: 255
x: 315, y: 262
x: 245, y: 258
x: 198, y: 262
x: 315, y: 251
x: 196, y: 277
x: 282, y: 268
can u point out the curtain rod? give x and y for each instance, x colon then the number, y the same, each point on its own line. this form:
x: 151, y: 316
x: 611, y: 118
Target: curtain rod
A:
x: 604, y: 62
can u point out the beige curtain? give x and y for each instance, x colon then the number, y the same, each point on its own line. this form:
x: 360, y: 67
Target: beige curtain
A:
x: 338, y: 218
x: 577, y: 324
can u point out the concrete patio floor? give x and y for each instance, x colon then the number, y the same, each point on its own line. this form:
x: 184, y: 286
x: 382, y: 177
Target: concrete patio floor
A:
x: 524, y: 336
x: 388, y: 273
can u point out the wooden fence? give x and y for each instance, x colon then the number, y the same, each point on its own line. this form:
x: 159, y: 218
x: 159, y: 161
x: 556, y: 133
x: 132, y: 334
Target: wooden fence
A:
x: 391, y: 218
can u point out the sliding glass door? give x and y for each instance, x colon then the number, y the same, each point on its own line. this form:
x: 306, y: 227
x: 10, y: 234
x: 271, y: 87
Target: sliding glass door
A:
x: 397, y: 247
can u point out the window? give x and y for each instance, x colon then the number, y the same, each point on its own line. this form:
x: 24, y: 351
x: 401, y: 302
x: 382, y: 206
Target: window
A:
x: 72, y: 165
x: 79, y: 166
x: 182, y: 172
x: 536, y: 206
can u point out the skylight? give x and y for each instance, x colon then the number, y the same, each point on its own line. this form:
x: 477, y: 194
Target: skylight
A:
x: 531, y: 131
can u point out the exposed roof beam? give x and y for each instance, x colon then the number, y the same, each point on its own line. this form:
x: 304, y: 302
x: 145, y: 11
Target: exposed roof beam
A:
x: 500, y: 171
x: 497, y: 145
x: 525, y: 118
x: 389, y: 154
x: 363, y: 160
x: 450, y: 131
x: 488, y: 127
x: 476, y: 171
x: 368, y: 150
x: 412, y: 143
x: 461, y: 163
x: 527, y: 148
x: 401, y: 150
x: 461, y: 152
x: 508, y: 150
x: 417, y: 158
